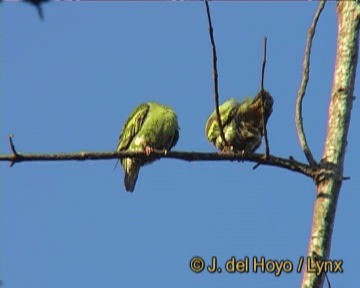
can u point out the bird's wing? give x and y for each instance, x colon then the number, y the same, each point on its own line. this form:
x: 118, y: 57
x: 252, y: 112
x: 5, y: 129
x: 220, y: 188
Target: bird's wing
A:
x: 174, y: 139
x: 133, y: 126
x: 226, y: 111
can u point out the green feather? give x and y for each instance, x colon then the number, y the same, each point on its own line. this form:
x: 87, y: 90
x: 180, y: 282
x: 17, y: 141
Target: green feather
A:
x: 132, y: 126
x: 212, y: 129
x: 242, y: 124
x: 150, y: 125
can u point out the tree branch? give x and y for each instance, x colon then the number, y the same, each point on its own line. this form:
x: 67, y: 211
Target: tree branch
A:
x: 267, y: 149
x: 328, y: 188
x: 302, y: 89
x: 215, y: 74
x: 289, y: 164
x: 13, y: 150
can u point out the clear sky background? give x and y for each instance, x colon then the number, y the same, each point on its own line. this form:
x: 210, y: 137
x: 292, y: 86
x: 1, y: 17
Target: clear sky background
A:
x: 69, y: 83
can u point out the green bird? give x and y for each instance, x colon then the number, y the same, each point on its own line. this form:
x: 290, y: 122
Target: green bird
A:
x: 212, y: 130
x: 242, y: 124
x: 150, y: 126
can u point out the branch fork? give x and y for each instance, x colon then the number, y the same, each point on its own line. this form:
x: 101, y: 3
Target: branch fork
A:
x: 303, y: 85
x: 15, y: 157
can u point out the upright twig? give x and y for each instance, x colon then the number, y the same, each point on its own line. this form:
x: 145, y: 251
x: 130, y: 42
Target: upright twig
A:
x: 267, y: 149
x: 264, y: 130
x: 215, y: 73
x: 263, y: 65
x: 303, y: 85
x: 14, y: 155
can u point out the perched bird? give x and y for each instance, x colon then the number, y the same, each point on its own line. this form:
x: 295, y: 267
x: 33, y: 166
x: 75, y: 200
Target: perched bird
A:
x: 150, y: 126
x: 212, y: 130
x: 242, y: 124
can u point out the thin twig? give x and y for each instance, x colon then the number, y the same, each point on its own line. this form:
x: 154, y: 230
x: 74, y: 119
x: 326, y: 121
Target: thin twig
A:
x: 12, y: 146
x: 267, y: 149
x: 327, y: 280
x: 256, y: 166
x: 263, y: 65
x: 38, y: 5
x: 321, y: 259
x: 302, y: 89
x: 264, y: 129
x: 13, y: 150
x: 215, y: 74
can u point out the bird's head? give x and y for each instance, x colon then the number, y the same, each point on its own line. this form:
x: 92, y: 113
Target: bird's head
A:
x: 268, y: 103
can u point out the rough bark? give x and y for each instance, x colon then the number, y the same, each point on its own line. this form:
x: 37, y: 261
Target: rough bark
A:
x: 329, y: 184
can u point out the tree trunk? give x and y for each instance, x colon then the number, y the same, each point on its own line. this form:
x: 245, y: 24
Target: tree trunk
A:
x: 329, y: 184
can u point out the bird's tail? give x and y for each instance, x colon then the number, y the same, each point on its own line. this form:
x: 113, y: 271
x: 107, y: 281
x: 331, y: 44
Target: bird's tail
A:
x: 132, y: 168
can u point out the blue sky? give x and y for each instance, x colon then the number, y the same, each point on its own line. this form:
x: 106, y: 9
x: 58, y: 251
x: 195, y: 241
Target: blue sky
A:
x: 69, y: 83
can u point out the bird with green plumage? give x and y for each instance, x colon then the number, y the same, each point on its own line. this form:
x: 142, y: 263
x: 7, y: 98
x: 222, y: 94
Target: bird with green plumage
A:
x: 151, y: 126
x: 242, y: 124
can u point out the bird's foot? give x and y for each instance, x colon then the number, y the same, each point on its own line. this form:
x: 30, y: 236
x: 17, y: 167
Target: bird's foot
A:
x: 227, y: 150
x: 148, y: 150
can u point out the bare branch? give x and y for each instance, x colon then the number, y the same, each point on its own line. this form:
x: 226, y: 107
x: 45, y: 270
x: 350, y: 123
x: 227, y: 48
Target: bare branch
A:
x: 215, y: 73
x: 256, y: 166
x: 267, y: 149
x: 263, y: 65
x: 289, y: 164
x: 12, y: 146
x: 303, y: 85
x: 13, y: 150
x: 264, y: 129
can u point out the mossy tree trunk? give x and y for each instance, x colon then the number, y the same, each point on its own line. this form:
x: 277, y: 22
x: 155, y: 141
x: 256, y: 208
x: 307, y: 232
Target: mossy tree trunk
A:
x: 329, y: 184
